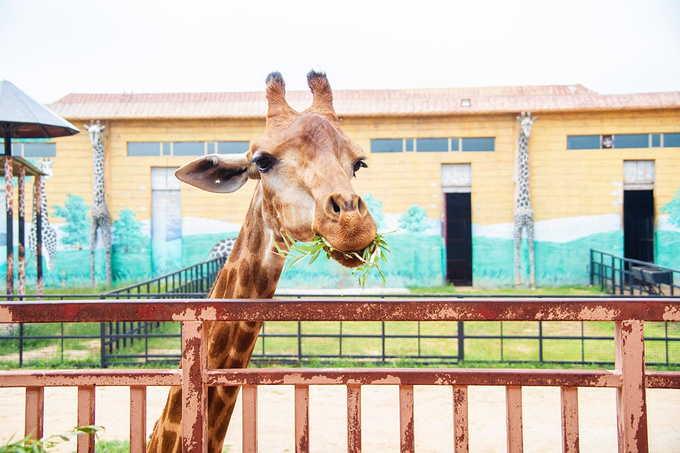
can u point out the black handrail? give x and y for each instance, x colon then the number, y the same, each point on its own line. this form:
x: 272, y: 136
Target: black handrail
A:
x: 619, y: 275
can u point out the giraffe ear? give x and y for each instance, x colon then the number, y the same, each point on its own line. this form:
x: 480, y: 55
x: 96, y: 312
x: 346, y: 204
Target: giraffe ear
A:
x: 220, y: 173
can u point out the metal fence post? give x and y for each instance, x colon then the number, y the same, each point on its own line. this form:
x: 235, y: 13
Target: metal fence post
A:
x: 461, y: 342
x: 102, y: 344
x: 540, y: 341
x: 631, y: 401
x: 383, y: 341
x: 299, y: 341
x: 21, y: 345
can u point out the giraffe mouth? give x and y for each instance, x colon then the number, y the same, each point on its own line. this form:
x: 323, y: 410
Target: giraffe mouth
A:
x: 347, y: 259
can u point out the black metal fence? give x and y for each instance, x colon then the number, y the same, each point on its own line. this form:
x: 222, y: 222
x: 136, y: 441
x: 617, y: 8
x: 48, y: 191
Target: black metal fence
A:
x: 617, y: 275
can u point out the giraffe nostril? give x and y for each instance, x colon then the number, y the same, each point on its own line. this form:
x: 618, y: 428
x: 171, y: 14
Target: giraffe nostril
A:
x: 336, y: 208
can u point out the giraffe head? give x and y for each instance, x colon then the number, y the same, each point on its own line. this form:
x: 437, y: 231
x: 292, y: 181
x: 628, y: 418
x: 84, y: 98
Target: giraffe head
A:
x: 526, y: 121
x: 305, y: 165
x: 95, y: 130
x: 45, y: 166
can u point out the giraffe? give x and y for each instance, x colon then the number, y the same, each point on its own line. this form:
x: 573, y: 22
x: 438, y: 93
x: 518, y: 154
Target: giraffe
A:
x: 222, y: 249
x: 49, y: 236
x: 524, y: 213
x: 101, y: 217
x: 303, y: 165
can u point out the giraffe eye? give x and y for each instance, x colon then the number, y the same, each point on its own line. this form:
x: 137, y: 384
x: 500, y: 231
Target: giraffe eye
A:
x: 264, y: 163
x: 358, y: 165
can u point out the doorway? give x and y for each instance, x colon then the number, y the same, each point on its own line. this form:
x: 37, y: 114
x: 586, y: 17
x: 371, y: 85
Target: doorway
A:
x: 638, y: 225
x: 458, y: 237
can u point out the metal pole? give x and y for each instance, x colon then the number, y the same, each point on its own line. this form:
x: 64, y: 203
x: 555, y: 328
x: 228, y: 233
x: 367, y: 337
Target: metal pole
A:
x: 461, y: 342
x: 38, y: 232
x: 540, y: 341
x: 21, y: 345
x: 22, y: 228
x: 299, y: 340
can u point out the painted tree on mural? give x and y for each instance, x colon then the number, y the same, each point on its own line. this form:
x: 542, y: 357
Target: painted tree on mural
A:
x: 77, y: 226
x: 673, y: 208
x: 375, y: 207
x: 414, y: 220
x: 127, y: 233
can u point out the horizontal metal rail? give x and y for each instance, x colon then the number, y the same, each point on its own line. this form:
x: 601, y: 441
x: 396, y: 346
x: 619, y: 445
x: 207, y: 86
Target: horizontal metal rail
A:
x: 471, y: 309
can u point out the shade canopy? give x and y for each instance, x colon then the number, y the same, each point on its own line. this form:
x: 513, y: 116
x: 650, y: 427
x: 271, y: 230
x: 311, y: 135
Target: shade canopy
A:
x: 24, y: 117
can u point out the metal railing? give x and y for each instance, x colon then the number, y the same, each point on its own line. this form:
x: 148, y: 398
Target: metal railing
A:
x: 135, y: 343
x: 618, y: 275
x: 194, y: 279
x: 629, y: 375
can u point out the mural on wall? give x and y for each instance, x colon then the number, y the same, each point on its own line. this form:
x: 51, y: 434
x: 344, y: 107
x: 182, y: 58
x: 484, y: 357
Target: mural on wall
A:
x: 76, y: 230
x: 48, y: 235
x: 416, y: 241
x: 672, y: 208
x: 414, y: 220
x: 667, y: 237
x: 101, y: 217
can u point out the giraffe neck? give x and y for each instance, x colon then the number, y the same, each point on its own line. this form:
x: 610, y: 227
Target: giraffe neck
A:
x: 251, y: 271
x: 98, y: 192
x: 522, y: 198
x: 43, y: 204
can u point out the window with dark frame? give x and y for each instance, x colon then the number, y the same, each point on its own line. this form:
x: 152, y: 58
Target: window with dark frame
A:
x: 432, y: 145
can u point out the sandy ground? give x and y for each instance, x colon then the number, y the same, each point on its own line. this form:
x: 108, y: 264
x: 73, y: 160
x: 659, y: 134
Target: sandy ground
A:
x: 380, y: 422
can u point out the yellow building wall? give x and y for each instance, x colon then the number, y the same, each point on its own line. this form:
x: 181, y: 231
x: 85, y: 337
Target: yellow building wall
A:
x: 564, y: 183
x: 570, y: 183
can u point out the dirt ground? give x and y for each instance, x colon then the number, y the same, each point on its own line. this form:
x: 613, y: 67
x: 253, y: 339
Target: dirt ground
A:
x: 380, y: 422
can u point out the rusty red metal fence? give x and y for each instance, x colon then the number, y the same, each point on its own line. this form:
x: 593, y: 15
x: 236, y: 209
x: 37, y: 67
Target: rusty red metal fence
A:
x: 298, y: 342
x: 629, y: 375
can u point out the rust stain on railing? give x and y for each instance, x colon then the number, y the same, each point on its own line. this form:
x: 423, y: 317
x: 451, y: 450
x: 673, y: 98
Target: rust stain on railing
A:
x: 629, y: 378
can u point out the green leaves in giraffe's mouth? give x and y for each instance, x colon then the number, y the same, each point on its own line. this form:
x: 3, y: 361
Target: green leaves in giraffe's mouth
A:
x: 363, y: 261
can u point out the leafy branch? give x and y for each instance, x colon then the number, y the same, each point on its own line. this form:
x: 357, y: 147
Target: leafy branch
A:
x: 370, y: 257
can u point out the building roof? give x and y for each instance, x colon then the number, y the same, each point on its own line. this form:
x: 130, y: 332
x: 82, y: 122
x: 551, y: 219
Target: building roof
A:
x: 361, y: 103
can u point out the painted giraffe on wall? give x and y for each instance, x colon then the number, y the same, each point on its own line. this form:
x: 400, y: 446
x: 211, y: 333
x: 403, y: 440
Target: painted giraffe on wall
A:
x: 49, y: 235
x: 304, y: 165
x: 222, y: 249
x: 101, y: 217
x: 524, y: 213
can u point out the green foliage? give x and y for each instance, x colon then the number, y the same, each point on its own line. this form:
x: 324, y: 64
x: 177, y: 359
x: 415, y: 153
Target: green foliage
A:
x: 77, y: 227
x: 375, y: 207
x: 39, y: 446
x: 673, y: 208
x: 127, y: 232
x: 414, y: 220
x: 370, y: 257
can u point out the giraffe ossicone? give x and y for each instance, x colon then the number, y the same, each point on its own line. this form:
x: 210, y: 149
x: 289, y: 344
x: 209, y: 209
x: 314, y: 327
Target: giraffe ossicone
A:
x: 303, y: 166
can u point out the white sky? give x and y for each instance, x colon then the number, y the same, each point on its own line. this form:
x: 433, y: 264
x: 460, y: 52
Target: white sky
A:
x: 54, y: 47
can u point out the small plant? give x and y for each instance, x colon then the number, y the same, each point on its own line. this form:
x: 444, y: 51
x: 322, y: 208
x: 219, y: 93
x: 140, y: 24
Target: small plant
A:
x: 42, y: 445
x: 370, y: 257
